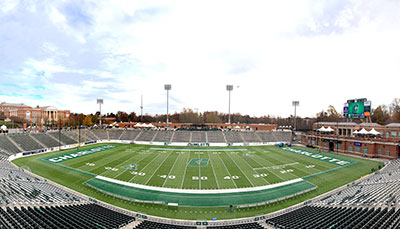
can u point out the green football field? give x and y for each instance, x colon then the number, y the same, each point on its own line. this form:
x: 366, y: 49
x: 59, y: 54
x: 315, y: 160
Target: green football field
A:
x: 183, y: 169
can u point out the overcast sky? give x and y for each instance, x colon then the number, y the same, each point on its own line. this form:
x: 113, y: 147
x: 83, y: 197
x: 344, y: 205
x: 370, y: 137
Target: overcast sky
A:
x: 69, y: 53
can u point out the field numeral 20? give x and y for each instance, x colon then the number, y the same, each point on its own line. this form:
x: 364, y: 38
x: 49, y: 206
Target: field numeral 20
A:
x: 90, y: 164
x: 310, y: 166
x: 171, y: 177
x: 199, y: 178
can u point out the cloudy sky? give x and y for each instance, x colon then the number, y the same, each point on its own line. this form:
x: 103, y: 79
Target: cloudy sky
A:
x: 69, y: 53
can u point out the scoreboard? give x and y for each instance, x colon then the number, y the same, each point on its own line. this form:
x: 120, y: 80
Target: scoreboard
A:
x: 357, y: 108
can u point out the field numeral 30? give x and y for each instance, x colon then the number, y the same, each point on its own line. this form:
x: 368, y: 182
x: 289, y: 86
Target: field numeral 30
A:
x: 171, y: 177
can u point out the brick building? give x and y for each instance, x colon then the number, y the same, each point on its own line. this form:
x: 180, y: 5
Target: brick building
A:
x: 344, y: 139
x: 37, y: 115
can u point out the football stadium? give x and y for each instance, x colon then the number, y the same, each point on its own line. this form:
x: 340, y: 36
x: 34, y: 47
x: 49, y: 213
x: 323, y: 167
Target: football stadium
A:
x: 199, y: 114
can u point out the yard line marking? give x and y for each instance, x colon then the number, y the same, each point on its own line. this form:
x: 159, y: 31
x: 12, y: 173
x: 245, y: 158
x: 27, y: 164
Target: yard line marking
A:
x: 157, y: 168
x: 99, y: 159
x: 184, y: 173
x: 269, y: 163
x: 215, y: 176
x: 145, y: 166
x: 174, y: 149
x: 172, y: 168
x: 227, y: 170
x: 199, y: 172
x: 241, y: 171
x: 116, y: 165
x: 137, y: 163
x: 252, y: 167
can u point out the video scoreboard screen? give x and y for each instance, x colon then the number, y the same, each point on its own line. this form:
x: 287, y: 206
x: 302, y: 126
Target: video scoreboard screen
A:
x: 357, y: 108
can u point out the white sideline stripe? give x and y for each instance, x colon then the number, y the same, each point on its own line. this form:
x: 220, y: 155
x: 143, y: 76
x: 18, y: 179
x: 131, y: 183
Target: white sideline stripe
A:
x: 195, y: 191
x: 199, y: 149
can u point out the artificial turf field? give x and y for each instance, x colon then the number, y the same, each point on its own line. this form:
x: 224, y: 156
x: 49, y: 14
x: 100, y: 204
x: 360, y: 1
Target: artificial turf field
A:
x: 196, y: 169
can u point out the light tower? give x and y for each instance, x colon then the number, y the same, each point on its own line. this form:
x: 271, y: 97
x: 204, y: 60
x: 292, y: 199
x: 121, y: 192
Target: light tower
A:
x: 100, y: 102
x: 229, y: 88
x: 141, y: 108
x: 295, y: 104
x: 167, y: 87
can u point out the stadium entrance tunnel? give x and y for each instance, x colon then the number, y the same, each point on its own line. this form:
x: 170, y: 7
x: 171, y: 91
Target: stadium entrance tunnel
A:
x: 184, y: 197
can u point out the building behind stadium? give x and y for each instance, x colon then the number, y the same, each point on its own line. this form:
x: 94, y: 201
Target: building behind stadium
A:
x: 38, y: 114
x: 345, y: 137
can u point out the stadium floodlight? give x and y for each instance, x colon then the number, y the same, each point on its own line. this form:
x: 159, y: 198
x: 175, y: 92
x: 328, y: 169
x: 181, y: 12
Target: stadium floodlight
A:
x: 295, y: 104
x: 141, y: 109
x: 100, y: 102
x: 229, y: 88
x: 167, y: 87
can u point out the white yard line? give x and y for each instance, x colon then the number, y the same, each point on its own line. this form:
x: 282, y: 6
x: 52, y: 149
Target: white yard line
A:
x: 137, y: 163
x: 116, y: 165
x: 199, y: 173
x: 265, y: 178
x: 184, y: 173
x: 270, y: 163
x: 215, y: 176
x: 145, y: 166
x: 233, y: 181
x: 157, y: 168
x: 174, y: 149
x: 242, y: 171
x: 172, y: 168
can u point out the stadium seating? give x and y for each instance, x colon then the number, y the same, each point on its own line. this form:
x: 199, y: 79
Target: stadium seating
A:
x: 61, y: 136
x: 266, y: 136
x: 250, y: 136
x: 100, y: 133
x: 233, y: 137
x: 26, y: 142
x: 198, y: 136
x: 146, y: 135
x: 68, y: 216
x: 181, y: 136
x: 115, y: 134
x: 215, y: 136
x: 239, y: 226
x: 163, y: 136
x: 7, y: 146
x: 155, y: 225
x: 130, y: 135
x: 46, y: 140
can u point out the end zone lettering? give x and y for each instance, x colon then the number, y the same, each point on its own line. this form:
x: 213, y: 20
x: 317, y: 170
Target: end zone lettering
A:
x: 80, y: 153
x: 319, y: 156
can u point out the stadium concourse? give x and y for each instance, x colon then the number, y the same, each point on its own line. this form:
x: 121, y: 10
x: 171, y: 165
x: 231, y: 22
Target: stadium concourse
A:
x: 30, y: 201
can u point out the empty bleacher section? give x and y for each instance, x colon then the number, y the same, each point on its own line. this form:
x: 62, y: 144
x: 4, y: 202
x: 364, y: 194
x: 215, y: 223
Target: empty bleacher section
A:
x: 100, y: 133
x: 155, y: 225
x: 7, y: 146
x: 163, y: 136
x: 233, y: 137
x: 130, y: 135
x: 46, y: 140
x: 181, y: 136
x: 115, y: 134
x: 283, y: 136
x: 69, y: 216
x: 25, y: 142
x: 250, y: 136
x: 239, y: 226
x: 215, y: 136
x: 146, y: 135
x: 266, y: 136
x: 61, y: 136
x: 198, y: 136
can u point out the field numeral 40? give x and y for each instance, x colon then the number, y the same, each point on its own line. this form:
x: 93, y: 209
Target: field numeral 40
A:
x: 260, y: 175
x: 231, y: 177
x: 171, y: 177
x: 199, y: 178
x: 138, y: 173
x: 287, y: 171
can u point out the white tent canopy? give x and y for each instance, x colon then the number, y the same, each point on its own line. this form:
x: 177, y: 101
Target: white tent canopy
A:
x: 355, y: 132
x: 374, y: 132
x: 329, y: 129
x: 322, y: 129
x: 363, y: 131
x: 3, y: 127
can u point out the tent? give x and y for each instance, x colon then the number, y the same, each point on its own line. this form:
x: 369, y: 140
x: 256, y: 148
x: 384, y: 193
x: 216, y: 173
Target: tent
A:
x: 138, y: 125
x: 329, y: 129
x: 3, y: 128
x: 322, y: 129
x: 374, y: 132
x: 363, y: 131
x: 355, y: 132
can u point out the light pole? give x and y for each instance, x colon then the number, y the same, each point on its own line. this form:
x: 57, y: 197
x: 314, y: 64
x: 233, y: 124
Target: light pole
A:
x: 229, y: 88
x: 167, y: 87
x: 295, y: 104
x: 141, y: 109
x: 100, y: 102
